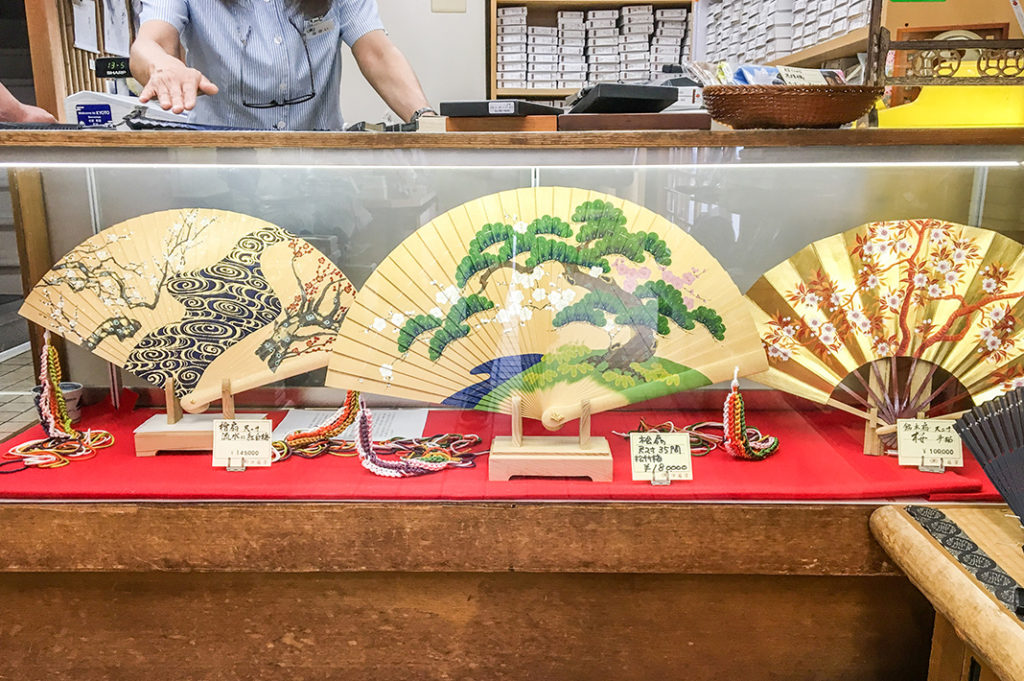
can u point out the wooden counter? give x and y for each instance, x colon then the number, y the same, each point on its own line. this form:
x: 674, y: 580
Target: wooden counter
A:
x: 524, y: 140
x: 459, y: 591
x: 967, y: 561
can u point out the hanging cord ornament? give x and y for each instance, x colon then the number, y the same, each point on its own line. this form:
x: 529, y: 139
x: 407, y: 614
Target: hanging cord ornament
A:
x: 736, y: 438
x: 423, y: 458
x: 63, y: 443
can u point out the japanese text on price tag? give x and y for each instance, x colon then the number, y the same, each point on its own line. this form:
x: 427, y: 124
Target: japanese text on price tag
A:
x: 663, y: 456
x: 241, y: 443
x: 929, y: 442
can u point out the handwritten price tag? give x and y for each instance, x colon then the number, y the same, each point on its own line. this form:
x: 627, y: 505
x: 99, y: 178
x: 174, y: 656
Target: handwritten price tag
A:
x: 660, y: 456
x: 929, y: 443
x: 240, y: 444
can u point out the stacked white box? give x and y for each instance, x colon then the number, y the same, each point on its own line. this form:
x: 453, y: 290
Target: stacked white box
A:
x: 636, y: 25
x: 670, y: 31
x: 629, y: 44
x: 513, y: 40
x: 572, y: 41
x: 743, y: 32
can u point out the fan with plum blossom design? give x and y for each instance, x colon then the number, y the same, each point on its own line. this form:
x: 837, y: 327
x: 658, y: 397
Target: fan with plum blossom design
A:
x: 187, y: 298
x: 895, y: 319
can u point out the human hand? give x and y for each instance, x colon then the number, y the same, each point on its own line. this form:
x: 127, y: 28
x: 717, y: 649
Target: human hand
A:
x: 176, y: 86
x: 33, y: 114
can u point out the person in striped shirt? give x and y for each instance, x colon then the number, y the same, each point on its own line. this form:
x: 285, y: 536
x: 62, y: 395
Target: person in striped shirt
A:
x: 267, y: 64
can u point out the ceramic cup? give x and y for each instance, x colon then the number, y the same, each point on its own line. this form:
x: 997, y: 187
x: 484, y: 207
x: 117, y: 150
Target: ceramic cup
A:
x: 72, y: 396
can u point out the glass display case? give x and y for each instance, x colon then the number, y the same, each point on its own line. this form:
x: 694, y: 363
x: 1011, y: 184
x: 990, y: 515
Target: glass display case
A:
x: 212, y: 574
x: 752, y: 200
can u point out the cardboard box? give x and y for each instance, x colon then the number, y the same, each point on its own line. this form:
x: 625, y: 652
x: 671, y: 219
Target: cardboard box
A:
x: 542, y: 30
x: 630, y: 10
x: 548, y: 40
x: 602, y: 14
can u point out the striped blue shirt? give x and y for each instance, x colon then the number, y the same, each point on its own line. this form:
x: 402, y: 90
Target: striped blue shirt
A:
x: 255, y: 52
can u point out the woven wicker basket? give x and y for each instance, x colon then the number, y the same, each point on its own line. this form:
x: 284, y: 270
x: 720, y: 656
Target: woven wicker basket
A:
x: 789, y: 106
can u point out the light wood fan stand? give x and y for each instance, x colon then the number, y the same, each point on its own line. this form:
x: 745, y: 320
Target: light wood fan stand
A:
x: 177, y: 432
x: 550, y: 456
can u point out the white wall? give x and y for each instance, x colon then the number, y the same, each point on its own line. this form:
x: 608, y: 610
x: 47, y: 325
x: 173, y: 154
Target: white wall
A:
x: 446, y: 50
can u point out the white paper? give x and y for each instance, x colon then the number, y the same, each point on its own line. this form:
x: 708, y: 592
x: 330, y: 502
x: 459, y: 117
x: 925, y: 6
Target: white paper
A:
x: 242, y: 443
x: 84, y: 15
x: 387, y: 423
x: 660, y: 456
x: 116, y: 32
x: 930, y: 443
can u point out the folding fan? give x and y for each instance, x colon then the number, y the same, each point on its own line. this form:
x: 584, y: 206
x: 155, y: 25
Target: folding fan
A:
x: 196, y: 296
x: 550, y: 295
x: 941, y: 295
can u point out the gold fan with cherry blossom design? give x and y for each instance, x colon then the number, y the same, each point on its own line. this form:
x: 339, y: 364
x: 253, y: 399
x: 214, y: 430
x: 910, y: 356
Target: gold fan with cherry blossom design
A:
x: 895, y: 319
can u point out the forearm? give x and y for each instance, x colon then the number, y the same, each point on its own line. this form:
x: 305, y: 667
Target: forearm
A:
x: 389, y: 72
x: 147, y: 56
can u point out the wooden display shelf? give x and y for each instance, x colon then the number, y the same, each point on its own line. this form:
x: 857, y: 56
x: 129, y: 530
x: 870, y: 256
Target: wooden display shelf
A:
x: 846, y: 45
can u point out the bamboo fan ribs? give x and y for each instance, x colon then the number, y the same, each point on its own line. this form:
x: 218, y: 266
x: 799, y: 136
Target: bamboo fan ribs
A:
x: 546, y: 297
x: 196, y: 296
x: 895, y: 319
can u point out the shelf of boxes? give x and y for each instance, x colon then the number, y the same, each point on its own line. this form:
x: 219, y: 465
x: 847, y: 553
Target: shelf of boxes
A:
x: 742, y: 32
x: 556, y: 51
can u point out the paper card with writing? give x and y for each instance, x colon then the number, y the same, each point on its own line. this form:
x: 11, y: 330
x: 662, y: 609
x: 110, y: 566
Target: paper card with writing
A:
x: 929, y: 442
x: 660, y: 456
x: 792, y: 75
x: 241, y: 443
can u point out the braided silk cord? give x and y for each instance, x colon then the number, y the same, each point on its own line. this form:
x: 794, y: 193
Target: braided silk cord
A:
x: 314, y: 443
x: 429, y: 455
x: 738, y: 439
x: 63, y: 443
x: 418, y: 456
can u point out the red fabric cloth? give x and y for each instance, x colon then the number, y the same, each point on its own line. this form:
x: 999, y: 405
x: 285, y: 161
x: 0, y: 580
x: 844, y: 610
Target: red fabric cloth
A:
x: 819, y: 459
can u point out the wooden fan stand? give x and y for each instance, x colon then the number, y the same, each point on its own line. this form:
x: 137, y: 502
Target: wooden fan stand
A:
x: 178, y: 432
x: 550, y: 456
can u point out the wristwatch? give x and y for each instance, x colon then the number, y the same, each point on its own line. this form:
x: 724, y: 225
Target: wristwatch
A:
x: 419, y: 113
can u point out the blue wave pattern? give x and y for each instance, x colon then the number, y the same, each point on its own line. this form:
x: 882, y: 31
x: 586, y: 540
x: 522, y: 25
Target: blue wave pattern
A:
x: 224, y: 303
x: 498, y: 371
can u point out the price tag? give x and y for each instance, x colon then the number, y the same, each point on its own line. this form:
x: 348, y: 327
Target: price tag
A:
x: 660, y: 457
x: 929, y: 443
x: 239, y: 444
x: 792, y: 75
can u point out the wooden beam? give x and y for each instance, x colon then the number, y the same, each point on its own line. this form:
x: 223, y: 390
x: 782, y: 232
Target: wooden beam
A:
x: 765, y: 539
x: 44, y: 38
x: 31, y: 229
